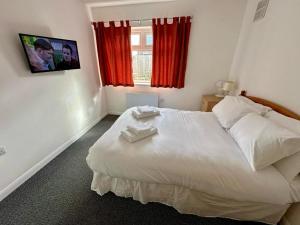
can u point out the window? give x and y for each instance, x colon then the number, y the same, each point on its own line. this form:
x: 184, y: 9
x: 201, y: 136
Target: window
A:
x: 135, y: 39
x: 149, y: 39
x: 141, y: 45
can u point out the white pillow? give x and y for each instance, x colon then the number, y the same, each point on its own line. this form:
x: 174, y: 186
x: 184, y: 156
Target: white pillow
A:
x: 284, y: 121
x: 231, y: 109
x: 289, y: 167
x: 262, y: 141
x: 261, y: 109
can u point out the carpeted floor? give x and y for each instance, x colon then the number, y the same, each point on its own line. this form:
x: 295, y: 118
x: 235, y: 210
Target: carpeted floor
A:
x: 60, y: 194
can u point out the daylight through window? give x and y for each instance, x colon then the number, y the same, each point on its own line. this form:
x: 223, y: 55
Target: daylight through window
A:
x: 141, y: 45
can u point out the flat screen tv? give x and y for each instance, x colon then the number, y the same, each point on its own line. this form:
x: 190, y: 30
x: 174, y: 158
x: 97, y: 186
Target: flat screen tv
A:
x: 45, y: 54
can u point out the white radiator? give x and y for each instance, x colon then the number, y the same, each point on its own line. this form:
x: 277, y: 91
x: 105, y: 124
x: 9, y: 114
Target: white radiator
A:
x: 141, y: 98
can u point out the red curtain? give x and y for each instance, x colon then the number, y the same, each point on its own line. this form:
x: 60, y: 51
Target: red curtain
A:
x: 170, y: 49
x: 114, y: 53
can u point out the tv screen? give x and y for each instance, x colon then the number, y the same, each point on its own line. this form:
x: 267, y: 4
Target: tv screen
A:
x: 46, y: 54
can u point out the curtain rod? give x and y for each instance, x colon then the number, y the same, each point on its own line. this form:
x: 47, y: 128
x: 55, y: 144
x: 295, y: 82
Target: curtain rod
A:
x: 140, y: 20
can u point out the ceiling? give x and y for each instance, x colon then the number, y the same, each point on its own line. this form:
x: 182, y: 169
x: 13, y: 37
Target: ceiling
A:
x: 93, y: 1
x: 122, y: 2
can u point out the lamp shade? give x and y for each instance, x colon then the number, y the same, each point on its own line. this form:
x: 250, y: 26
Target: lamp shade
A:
x: 228, y: 86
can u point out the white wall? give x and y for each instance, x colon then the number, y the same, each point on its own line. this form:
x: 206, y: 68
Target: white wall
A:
x: 266, y: 63
x: 214, y: 34
x: 41, y: 112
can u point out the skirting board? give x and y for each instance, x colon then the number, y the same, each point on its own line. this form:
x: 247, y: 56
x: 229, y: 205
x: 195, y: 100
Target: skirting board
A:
x: 33, y: 170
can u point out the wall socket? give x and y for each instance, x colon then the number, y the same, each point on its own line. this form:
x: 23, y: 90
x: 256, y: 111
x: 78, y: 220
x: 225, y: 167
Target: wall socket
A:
x: 2, y: 150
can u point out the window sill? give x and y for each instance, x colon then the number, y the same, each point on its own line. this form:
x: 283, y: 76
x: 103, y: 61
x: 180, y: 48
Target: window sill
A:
x: 142, y: 84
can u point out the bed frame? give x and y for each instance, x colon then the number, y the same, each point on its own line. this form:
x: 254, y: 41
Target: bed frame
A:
x: 278, y: 108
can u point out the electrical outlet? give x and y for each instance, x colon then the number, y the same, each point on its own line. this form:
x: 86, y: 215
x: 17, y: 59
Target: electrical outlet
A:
x: 2, y: 150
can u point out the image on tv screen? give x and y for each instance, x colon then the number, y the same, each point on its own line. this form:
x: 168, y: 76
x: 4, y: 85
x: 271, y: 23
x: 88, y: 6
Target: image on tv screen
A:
x: 50, y: 54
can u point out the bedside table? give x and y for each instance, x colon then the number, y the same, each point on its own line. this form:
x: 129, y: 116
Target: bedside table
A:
x: 208, y: 102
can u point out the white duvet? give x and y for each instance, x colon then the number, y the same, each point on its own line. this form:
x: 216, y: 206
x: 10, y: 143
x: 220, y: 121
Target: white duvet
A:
x: 190, y: 150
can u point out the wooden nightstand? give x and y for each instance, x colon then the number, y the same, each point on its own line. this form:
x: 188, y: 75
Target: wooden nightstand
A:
x: 208, y: 102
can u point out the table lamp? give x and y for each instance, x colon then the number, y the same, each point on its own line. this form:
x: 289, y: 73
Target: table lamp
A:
x: 228, y: 87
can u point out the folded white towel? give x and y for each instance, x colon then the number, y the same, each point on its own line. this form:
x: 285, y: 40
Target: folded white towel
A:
x: 140, y: 128
x: 131, y: 137
x: 146, y: 109
x: 139, y: 115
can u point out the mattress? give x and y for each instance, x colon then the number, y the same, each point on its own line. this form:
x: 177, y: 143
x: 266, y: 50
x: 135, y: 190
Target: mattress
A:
x: 191, y: 150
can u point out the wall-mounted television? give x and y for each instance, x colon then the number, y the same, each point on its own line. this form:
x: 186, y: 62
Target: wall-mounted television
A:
x: 45, y: 54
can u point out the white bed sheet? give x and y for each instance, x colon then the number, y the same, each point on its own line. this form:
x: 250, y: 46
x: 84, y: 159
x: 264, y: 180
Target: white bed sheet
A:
x: 190, y: 150
x: 189, y: 201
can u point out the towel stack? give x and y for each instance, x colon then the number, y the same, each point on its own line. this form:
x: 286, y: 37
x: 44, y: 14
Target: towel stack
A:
x: 145, y: 111
x: 135, y: 133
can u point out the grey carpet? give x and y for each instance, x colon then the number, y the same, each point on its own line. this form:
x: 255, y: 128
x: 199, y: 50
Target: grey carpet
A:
x: 60, y: 194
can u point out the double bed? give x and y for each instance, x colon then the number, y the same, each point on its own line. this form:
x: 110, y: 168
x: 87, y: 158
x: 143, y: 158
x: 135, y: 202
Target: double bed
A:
x: 192, y: 164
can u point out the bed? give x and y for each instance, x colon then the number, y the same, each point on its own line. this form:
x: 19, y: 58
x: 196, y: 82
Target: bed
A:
x: 193, y: 165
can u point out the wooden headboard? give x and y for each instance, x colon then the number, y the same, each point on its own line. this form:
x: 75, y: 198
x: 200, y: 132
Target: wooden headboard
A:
x: 278, y: 108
